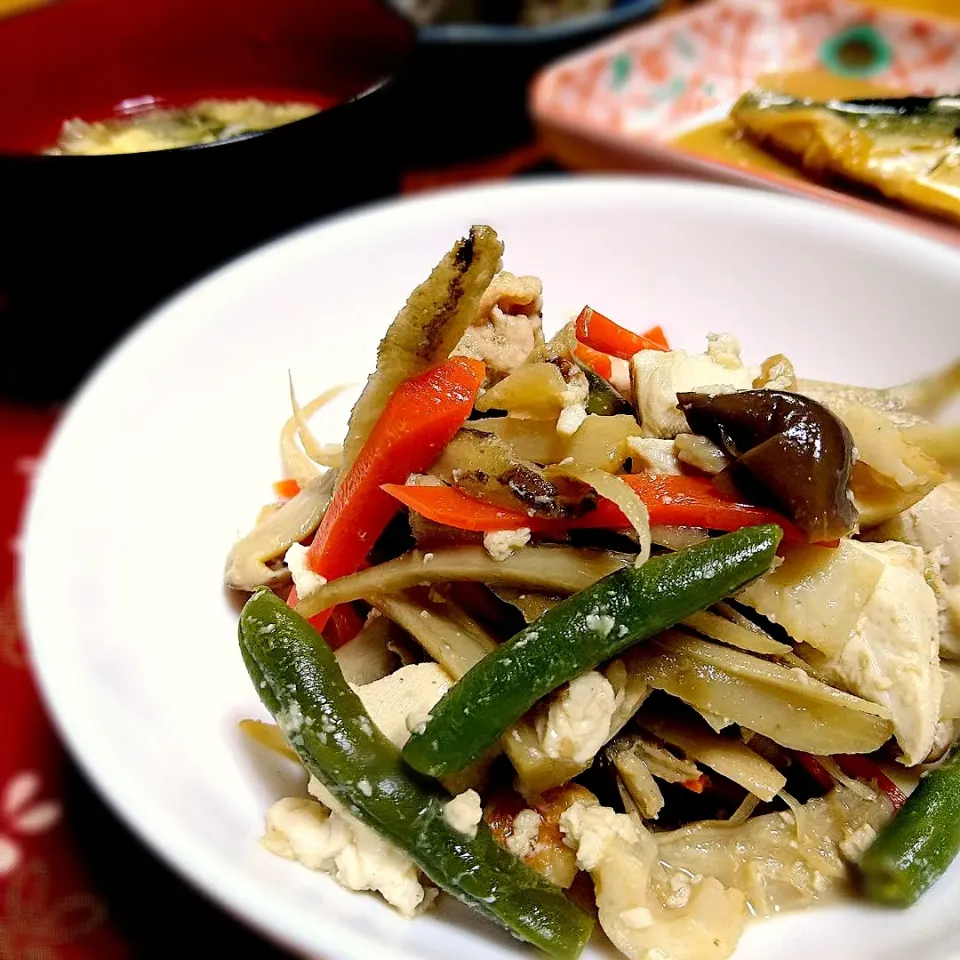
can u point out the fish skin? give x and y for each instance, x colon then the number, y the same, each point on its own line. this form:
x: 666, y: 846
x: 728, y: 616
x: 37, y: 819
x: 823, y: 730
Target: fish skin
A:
x: 906, y: 148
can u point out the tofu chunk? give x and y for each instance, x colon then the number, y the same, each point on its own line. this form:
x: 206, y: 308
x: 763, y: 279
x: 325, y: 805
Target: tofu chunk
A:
x: 323, y: 836
x: 404, y: 699
x: 933, y: 524
x: 892, y: 655
x: 578, y: 721
x: 657, y: 377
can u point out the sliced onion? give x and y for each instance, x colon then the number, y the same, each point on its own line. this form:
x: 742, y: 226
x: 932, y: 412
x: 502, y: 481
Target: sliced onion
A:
x: 301, y: 463
x: 745, y: 811
x: 799, y: 814
x: 613, y: 488
x: 859, y: 788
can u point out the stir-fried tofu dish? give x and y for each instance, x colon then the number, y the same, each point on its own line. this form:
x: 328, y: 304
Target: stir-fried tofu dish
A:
x: 593, y: 634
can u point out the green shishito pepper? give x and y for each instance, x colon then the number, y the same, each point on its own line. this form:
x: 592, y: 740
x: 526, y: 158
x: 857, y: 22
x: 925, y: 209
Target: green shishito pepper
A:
x: 920, y: 842
x: 299, y: 681
x: 578, y: 634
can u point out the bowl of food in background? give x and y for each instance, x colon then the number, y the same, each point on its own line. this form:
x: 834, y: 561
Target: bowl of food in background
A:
x: 478, y: 56
x: 144, y: 144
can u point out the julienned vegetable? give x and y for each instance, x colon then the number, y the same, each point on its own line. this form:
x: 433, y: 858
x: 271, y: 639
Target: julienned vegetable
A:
x: 602, y: 334
x: 419, y: 419
x: 564, y: 569
x: 598, y: 362
x: 299, y: 681
x: 788, y: 449
x: 579, y: 633
x: 921, y: 841
x: 671, y: 500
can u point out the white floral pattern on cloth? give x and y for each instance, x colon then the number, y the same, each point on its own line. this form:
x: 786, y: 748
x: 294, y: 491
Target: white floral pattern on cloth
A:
x: 11, y: 644
x: 22, y: 814
x: 32, y: 927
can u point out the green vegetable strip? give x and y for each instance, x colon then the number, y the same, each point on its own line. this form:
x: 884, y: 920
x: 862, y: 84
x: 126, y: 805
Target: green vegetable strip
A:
x: 580, y: 632
x: 603, y: 399
x: 300, y: 683
x: 921, y: 841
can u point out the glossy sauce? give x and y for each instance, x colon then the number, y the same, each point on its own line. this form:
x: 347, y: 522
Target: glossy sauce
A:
x: 723, y: 141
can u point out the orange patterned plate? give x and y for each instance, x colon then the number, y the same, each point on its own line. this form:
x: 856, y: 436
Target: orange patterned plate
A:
x: 654, y: 97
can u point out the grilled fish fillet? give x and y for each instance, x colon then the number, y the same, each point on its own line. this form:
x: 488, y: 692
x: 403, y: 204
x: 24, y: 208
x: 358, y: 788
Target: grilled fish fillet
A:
x: 906, y: 148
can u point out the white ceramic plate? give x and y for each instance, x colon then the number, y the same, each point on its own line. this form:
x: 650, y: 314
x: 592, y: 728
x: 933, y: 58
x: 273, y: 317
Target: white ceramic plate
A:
x: 168, y: 452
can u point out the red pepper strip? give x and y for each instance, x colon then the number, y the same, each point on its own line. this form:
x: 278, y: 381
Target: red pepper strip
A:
x: 657, y: 335
x: 601, y: 333
x: 319, y: 622
x: 816, y: 770
x: 598, y: 362
x: 672, y: 500
x: 856, y: 766
x: 287, y: 489
x: 417, y: 422
x: 863, y: 768
x: 347, y: 622
x: 696, y: 786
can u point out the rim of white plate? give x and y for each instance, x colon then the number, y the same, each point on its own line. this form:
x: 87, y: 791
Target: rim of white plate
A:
x: 46, y: 625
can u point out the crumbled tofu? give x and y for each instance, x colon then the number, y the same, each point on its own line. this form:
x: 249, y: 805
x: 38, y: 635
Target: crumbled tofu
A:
x: 507, y: 325
x: 577, y: 723
x: 417, y: 721
x: 571, y: 418
x: 578, y: 387
x: 522, y: 841
x: 502, y: 544
x: 574, y: 400
x: 892, y: 655
x: 410, y: 692
x: 290, y: 720
x: 464, y: 812
x: 324, y: 836
x: 591, y: 829
x: 304, y: 579
x: 658, y: 376
x: 934, y: 525
x: 598, y: 622
x: 637, y: 917
x: 651, y: 455
x: 854, y: 845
